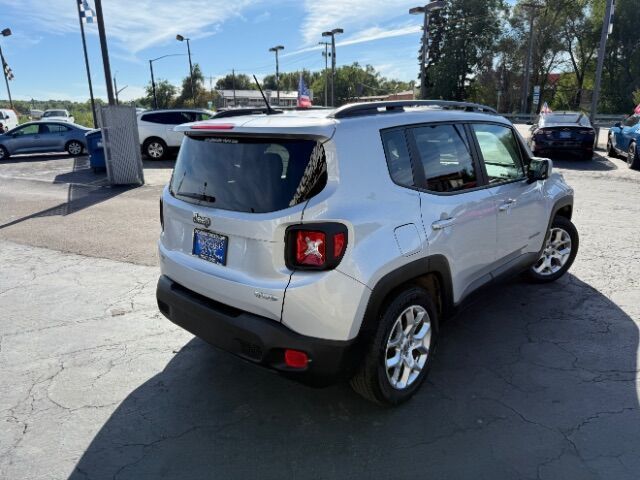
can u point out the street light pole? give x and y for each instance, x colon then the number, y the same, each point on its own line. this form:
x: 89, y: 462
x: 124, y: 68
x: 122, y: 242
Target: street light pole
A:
x: 333, y: 34
x: 276, y: 49
x: 5, y: 33
x: 105, y: 52
x: 426, y: 10
x: 601, y: 51
x: 180, y: 38
x: 325, y: 54
x: 153, y: 80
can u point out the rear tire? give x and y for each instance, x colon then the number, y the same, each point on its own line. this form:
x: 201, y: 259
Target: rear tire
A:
x: 633, y: 157
x: 611, y: 151
x: 155, y: 149
x: 400, y: 353
x: 4, y: 153
x: 560, y: 250
x: 74, y: 148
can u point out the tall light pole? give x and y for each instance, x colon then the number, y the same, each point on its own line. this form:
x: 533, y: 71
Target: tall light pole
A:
x: 153, y: 80
x: 5, y: 33
x: 606, y: 30
x: 180, y: 38
x: 426, y: 10
x: 325, y: 54
x: 276, y: 49
x: 105, y: 53
x: 524, y: 106
x: 115, y: 87
x: 333, y: 34
x: 86, y: 64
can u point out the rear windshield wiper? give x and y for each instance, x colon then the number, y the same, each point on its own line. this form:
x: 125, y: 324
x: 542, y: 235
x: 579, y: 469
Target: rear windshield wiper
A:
x: 197, y: 196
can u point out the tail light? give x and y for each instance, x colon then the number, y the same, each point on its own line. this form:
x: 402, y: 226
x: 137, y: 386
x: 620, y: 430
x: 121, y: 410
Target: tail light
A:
x: 315, y: 246
x: 586, y: 132
x: 161, y: 215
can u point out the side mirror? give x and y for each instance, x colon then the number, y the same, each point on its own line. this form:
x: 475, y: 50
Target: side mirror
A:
x: 539, y: 169
x: 617, y: 124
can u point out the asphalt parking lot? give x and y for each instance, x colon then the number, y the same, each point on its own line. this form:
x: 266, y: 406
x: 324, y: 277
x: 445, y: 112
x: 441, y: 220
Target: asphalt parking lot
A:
x: 530, y: 381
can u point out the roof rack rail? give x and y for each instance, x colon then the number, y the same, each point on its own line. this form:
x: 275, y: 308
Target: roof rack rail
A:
x: 375, y: 108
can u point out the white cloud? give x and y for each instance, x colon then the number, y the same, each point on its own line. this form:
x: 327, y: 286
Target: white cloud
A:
x: 351, y: 15
x: 137, y: 25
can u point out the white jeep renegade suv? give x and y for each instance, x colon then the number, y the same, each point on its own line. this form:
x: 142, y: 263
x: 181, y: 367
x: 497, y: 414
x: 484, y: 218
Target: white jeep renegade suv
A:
x: 330, y: 244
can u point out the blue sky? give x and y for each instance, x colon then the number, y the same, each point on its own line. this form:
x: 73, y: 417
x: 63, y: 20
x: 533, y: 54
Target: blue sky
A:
x: 45, y: 51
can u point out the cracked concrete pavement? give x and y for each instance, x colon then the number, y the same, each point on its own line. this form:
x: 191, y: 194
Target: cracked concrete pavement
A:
x: 530, y: 381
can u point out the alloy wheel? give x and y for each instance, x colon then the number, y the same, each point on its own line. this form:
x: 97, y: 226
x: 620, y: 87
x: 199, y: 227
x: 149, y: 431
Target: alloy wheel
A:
x: 631, y: 155
x: 75, y: 148
x: 407, y: 347
x: 155, y: 150
x: 556, y: 253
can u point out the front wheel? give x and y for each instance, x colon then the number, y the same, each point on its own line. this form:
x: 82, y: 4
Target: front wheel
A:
x: 611, y: 151
x: 560, y: 250
x: 633, y: 157
x: 74, y: 148
x: 399, y: 356
x: 4, y: 153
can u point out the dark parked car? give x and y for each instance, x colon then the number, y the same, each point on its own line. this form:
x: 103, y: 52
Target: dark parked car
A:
x: 40, y: 137
x: 624, y: 140
x: 564, y: 132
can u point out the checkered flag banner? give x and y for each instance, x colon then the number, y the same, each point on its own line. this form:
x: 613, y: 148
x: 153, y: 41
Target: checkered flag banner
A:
x: 87, y: 13
x: 7, y: 71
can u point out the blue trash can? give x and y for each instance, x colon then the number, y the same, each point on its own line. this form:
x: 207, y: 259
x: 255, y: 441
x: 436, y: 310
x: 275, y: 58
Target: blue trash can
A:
x: 96, y: 150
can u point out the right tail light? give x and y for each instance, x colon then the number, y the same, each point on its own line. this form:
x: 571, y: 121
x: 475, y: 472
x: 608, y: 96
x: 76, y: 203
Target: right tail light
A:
x: 315, y: 246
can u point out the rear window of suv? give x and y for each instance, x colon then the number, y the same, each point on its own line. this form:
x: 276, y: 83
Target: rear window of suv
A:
x: 248, y: 175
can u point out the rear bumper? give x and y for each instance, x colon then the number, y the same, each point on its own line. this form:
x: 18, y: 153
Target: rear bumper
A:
x: 257, y: 339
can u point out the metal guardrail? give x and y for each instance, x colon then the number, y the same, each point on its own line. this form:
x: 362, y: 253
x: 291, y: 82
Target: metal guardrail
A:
x: 605, y: 121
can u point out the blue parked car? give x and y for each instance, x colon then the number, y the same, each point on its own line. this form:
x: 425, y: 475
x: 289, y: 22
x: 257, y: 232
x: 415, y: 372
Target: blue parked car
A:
x: 624, y: 140
x: 40, y: 137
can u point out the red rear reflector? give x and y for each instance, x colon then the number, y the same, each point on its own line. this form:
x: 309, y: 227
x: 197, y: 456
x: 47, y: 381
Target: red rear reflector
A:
x: 213, y: 126
x: 338, y: 244
x: 310, y: 248
x: 295, y: 359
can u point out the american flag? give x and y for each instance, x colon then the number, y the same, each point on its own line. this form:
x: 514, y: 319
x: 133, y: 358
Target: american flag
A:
x: 304, y: 100
x: 7, y: 71
x: 87, y: 13
x: 545, y: 109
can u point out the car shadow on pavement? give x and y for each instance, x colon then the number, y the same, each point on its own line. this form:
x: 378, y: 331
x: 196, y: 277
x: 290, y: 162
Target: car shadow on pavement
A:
x: 28, y: 158
x: 599, y: 162
x: 530, y: 381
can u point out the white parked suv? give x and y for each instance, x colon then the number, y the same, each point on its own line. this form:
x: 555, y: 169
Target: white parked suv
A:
x: 58, y: 115
x: 8, y: 120
x: 157, y: 129
x: 331, y: 244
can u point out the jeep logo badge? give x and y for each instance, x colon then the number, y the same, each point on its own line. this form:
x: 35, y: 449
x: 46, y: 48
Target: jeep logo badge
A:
x: 197, y: 218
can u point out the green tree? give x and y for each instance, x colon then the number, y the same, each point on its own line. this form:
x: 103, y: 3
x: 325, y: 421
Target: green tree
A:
x: 165, y: 94
x: 240, y: 82
x: 186, y: 98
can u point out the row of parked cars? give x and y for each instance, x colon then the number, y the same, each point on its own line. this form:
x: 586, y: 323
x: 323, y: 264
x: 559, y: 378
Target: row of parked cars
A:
x: 57, y: 132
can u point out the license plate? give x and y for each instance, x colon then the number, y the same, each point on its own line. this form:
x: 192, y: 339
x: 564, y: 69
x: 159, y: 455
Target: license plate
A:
x: 565, y: 134
x: 210, y: 246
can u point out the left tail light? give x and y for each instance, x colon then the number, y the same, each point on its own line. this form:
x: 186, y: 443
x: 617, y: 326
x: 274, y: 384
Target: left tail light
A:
x: 161, y: 215
x: 315, y: 246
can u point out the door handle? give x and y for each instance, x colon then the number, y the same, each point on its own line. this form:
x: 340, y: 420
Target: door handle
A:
x: 506, y: 205
x: 442, y: 224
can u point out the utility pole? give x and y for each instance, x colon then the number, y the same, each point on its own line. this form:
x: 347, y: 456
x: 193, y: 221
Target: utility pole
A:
x: 115, y: 88
x: 105, y: 52
x: 606, y: 30
x: 529, y: 60
x: 424, y: 57
x: 153, y: 86
x: 276, y: 49
x: 233, y: 85
x: 5, y: 33
x: 326, y: 56
x: 86, y: 63
x: 332, y: 34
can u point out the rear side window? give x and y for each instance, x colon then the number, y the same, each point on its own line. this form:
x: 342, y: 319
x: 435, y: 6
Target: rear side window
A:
x: 169, y: 118
x: 248, y: 175
x: 397, y: 155
x: 445, y: 156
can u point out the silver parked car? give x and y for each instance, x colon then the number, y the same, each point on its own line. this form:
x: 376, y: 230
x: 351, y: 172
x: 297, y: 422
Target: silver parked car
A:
x: 40, y: 137
x: 328, y: 245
